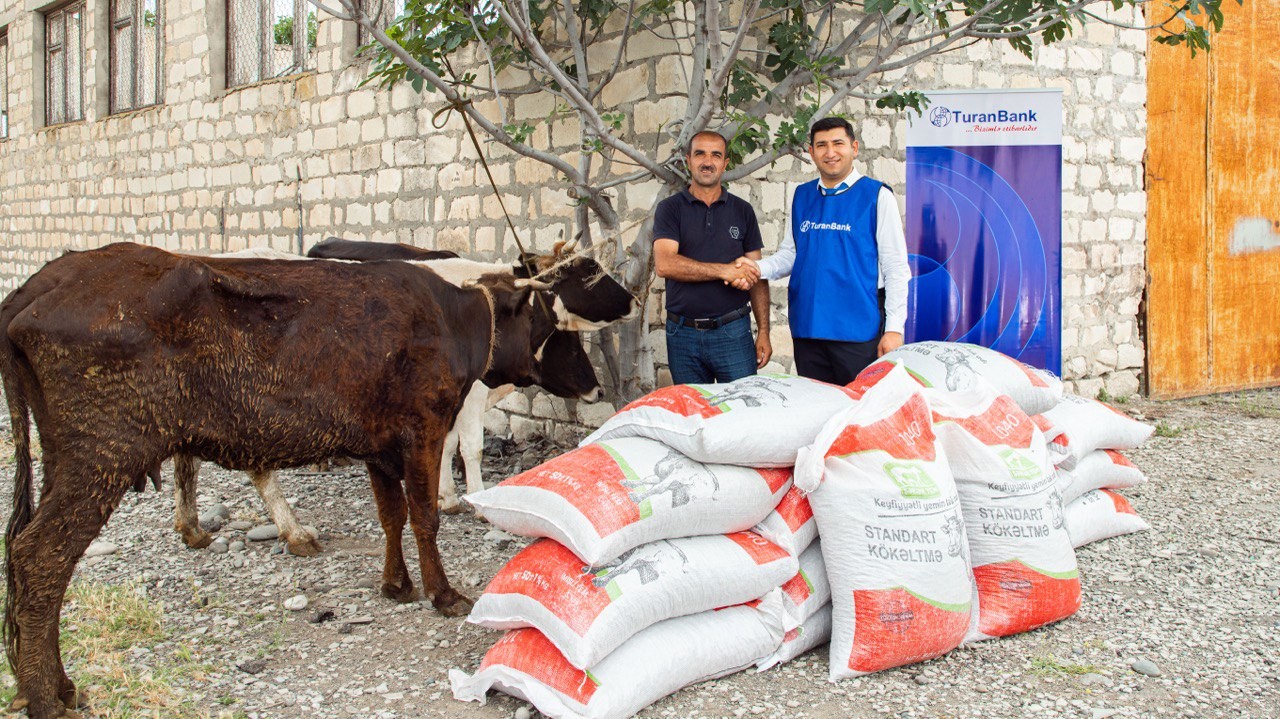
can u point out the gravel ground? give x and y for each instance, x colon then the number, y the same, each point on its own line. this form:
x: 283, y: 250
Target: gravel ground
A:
x: 1198, y: 597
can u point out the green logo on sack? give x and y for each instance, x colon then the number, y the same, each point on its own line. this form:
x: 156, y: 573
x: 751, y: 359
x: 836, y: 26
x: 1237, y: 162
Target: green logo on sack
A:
x: 1020, y: 468
x: 912, y: 480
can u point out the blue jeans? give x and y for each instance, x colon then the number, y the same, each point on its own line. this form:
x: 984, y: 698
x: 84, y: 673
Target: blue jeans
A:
x: 723, y: 354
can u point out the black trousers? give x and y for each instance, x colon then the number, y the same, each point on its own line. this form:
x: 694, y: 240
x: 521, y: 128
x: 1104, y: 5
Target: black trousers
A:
x: 835, y: 361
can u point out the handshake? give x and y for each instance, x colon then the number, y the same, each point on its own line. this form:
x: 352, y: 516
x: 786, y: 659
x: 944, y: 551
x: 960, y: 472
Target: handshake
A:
x: 743, y: 273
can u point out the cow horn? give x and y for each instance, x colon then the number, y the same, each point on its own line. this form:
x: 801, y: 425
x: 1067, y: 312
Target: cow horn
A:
x: 558, y: 248
x: 535, y: 284
x: 570, y: 245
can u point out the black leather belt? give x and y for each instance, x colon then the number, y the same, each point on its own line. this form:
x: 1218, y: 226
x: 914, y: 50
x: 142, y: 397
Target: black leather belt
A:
x: 710, y: 323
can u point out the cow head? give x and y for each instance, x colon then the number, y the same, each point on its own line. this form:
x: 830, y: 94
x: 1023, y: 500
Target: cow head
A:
x: 512, y: 331
x: 587, y: 298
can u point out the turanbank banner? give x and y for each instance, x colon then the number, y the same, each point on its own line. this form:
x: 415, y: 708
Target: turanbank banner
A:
x: 984, y: 222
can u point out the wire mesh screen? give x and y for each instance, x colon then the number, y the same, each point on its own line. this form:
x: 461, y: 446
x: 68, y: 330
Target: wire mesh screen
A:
x: 384, y: 14
x: 64, y: 68
x: 4, y: 85
x: 136, y: 29
x: 270, y: 38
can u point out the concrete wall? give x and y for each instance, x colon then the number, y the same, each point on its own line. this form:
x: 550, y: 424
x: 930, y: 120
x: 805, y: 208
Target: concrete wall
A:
x: 287, y: 162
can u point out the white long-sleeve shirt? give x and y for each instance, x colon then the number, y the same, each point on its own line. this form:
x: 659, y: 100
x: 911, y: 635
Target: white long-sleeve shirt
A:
x: 891, y: 248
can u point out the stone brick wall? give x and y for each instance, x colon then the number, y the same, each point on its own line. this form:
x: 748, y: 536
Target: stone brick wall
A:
x: 287, y: 162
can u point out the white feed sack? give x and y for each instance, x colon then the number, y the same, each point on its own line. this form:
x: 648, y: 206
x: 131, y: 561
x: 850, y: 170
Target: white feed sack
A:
x: 654, y: 663
x: 815, y: 632
x: 1023, y: 562
x: 891, y: 530
x: 603, y: 499
x: 954, y: 366
x: 587, y: 613
x: 1101, y: 514
x: 757, y: 421
x: 808, y: 591
x: 1079, y: 425
x: 1100, y: 469
x: 791, y: 524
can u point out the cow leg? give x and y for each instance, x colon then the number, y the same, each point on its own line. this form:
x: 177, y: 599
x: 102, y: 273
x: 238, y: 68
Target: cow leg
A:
x: 449, y: 503
x: 301, y: 541
x: 392, y: 512
x: 469, y: 427
x: 43, y: 557
x: 421, y: 483
x: 186, y: 475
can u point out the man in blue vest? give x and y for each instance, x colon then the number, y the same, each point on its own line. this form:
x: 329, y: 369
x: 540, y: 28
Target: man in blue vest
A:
x: 847, y: 257
x: 698, y: 235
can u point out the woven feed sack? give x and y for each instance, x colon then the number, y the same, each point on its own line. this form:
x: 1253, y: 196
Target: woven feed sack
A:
x: 815, y: 632
x: 955, y: 366
x: 1023, y: 563
x: 587, y: 613
x: 658, y: 661
x: 790, y: 525
x: 1101, y: 514
x: 891, y: 532
x: 603, y: 499
x: 757, y: 421
x: 1079, y: 425
x: 1100, y: 469
x: 807, y: 591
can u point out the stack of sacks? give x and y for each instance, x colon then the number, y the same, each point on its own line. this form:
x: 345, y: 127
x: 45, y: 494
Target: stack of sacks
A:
x: 1024, y: 565
x: 1086, y: 436
x: 891, y: 529
x: 623, y: 601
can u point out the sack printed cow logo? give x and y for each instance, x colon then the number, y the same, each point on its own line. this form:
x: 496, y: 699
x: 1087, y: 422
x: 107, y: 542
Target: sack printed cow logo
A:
x: 1055, y: 509
x: 953, y: 527
x: 912, y: 480
x: 674, y: 474
x: 642, y: 563
x: 960, y: 374
x: 749, y: 392
x: 734, y: 232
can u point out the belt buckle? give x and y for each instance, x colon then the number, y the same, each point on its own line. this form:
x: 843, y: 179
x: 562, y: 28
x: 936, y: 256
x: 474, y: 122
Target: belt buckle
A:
x: 705, y: 324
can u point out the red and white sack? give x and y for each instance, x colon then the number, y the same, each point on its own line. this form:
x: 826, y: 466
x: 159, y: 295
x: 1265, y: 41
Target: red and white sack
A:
x: 1100, y: 469
x: 587, y: 613
x: 1024, y: 566
x: 790, y: 525
x: 654, y: 663
x: 1101, y: 514
x: 603, y: 499
x: 955, y: 366
x: 806, y: 592
x: 1079, y: 425
x: 757, y: 421
x: 815, y: 632
x: 891, y: 530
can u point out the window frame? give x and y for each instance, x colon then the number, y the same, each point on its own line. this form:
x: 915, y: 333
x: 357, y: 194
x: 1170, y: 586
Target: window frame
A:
x: 4, y: 82
x: 139, y: 31
x: 62, y: 12
x: 267, y: 21
x: 362, y: 35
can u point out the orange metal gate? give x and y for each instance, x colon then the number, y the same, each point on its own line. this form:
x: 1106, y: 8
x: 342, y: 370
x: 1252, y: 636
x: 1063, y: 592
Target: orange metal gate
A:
x: 1213, y: 219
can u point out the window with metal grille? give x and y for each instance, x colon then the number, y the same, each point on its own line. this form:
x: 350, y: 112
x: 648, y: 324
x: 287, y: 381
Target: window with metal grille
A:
x: 4, y: 83
x: 64, y: 64
x: 384, y: 14
x: 269, y: 38
x: 137, y: 54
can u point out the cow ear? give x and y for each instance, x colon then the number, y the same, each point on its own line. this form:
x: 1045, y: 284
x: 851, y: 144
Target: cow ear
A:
x: 528, y: 266
x: 519, y: 299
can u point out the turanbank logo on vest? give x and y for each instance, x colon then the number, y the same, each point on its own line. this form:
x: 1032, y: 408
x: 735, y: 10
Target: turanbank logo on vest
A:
x: 994, y: 121
x: 837, y: 226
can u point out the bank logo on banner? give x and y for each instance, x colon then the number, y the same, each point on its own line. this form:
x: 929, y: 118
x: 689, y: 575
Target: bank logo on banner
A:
x: 984, y: 222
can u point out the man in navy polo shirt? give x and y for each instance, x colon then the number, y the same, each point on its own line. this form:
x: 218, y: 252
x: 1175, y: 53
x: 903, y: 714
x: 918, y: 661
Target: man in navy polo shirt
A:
x: 845, y: 252
x: 698, y: 235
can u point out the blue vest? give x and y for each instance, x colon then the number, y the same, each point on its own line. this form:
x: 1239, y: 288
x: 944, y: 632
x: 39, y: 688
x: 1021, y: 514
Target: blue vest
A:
x: 833, y: 293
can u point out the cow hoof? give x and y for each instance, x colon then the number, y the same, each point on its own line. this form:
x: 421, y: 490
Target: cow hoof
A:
x: 403, y: 595
x: 455, y: 508
x: 309, y: 548
x: 453, y: 604
x: 197, y: 540
x: 18, y: 704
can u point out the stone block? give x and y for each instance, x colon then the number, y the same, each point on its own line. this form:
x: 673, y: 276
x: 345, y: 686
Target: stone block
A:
x: 496, y: 423
x: 1121, y: 384
x: 525, y: 430
x: 594, y: 414
x: 1129, y: 356
x: 549, y: 407
x: 515, y: 402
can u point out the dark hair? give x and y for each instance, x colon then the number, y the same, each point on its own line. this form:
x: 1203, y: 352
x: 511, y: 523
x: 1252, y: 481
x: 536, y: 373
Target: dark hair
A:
x: 831, y: 123
x: 688, y: 150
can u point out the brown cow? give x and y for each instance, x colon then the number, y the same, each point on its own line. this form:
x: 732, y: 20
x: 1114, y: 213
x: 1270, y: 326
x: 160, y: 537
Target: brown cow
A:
x: 128, y: 354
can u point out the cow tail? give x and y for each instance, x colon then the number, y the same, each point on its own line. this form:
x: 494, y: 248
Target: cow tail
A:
x: 19, y: 415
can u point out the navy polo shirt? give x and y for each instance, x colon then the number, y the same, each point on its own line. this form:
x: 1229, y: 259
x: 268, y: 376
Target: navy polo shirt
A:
x: 721, y: 233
